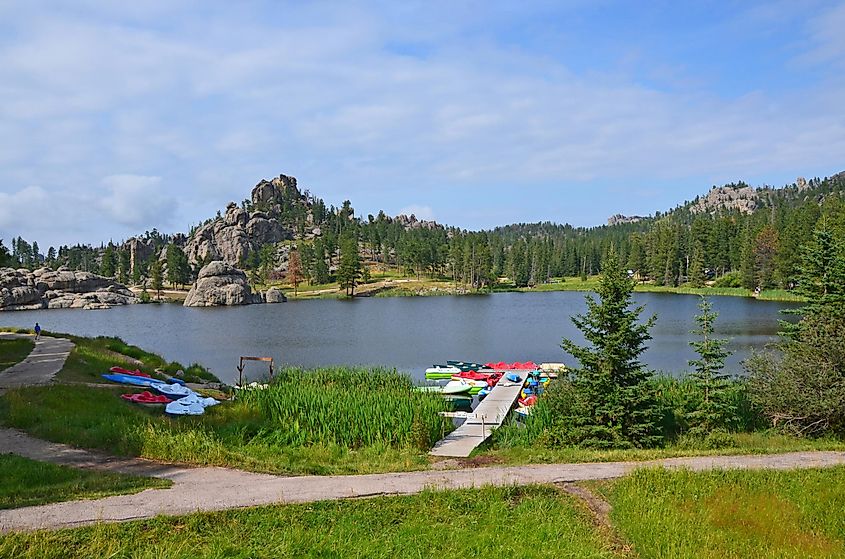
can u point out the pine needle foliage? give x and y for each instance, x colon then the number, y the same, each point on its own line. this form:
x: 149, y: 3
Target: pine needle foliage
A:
x: 715, y: 410
x: 612, y: 404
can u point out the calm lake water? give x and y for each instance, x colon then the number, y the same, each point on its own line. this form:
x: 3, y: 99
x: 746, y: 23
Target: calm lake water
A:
x: 409, y: 333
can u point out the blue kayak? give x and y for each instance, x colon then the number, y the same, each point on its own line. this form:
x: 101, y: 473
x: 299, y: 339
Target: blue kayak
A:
x: 131, y: 379
x: 513, y: 377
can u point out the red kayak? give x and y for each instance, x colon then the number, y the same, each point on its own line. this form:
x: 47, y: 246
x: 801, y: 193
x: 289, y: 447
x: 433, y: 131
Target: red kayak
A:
x: 528, y: 402
x: 490, y: 378
x: 123, y: 371
x: 146, y: 398
x: 502, y: 366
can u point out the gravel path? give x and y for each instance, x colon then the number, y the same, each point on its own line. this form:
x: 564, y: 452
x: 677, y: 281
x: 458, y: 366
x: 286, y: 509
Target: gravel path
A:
x: 214, y: 489
x: 40, y: 366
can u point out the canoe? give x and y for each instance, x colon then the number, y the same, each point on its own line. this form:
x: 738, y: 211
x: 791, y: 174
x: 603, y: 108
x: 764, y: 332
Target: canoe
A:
x: 131, y: 379
x: 457, y: 387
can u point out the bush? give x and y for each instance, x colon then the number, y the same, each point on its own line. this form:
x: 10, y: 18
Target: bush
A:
x: 731, y: 279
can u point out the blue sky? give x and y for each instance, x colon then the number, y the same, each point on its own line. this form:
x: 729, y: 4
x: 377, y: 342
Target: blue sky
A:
x: 117, y: 119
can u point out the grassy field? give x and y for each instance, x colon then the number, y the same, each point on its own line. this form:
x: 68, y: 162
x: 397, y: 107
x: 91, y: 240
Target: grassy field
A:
x: 732, y: 514
x: 372, y: 427
x: 14, y: 351
x: 529, y: 522
x: 27, y: 482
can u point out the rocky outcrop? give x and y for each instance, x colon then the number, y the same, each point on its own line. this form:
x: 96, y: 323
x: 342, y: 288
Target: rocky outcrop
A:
x: 45, y: 288
x: 739, y: 197
x: 619, y: 218
x: 220, y: 284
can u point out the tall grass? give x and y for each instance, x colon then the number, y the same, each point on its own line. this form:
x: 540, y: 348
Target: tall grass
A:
x: 351, y: 407
x: 331, y: 421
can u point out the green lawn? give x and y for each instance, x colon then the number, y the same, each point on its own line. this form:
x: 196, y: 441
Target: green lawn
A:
x: 517, y: 522
x: 14, y: 351
x: 26, y: 482
x: 732, y: 514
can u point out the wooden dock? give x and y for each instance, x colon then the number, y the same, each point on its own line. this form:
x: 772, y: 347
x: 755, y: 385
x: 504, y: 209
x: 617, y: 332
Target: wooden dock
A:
x: 489, y: 414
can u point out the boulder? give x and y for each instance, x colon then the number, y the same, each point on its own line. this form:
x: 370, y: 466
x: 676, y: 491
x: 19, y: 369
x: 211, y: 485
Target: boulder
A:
x: 219, y: 284
x: 274, y: 295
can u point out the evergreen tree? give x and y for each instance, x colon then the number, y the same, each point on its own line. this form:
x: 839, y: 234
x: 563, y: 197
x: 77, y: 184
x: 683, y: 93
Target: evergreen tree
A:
x: 695, y: 274
x: 615, y: 405
x: 715, y: 409
x: 107, y: 266
x: 349, y: 269
x: 156, y: 277
x: 320, y: 274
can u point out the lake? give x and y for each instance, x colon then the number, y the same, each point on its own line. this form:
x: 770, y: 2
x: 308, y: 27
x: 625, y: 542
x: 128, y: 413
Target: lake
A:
x: 408, y: 333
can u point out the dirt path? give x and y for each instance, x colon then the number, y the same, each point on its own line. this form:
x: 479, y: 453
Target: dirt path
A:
x: 40, y: 366
x: 214, y: 489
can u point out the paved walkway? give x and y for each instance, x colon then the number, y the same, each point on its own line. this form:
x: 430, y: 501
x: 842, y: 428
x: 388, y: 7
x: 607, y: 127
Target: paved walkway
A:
x: 40, y: 366
x: 214, y: 489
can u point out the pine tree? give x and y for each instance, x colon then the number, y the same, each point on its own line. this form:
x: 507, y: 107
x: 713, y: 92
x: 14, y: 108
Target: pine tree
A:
x: 349, y: 269
x: 616, y: 406
x: 107, y: 267
x: 715, y: 410
x: 695, y: 274
x: 156, y: 277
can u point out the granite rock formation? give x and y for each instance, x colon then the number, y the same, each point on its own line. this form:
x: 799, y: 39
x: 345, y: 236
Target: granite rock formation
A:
x: 45, y: 288
x: 221, y: 284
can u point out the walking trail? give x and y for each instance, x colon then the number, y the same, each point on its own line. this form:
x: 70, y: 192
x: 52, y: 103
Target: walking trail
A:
x: 214, y: 489
x: 40, y: 366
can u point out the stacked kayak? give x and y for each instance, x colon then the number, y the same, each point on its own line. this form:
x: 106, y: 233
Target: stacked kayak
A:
x: 441, y: 372
x: 193, y: 404
x: 122, y: 371
x: 178, y: 398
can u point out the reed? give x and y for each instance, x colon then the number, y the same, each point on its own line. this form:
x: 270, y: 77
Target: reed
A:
x: 351, y: 407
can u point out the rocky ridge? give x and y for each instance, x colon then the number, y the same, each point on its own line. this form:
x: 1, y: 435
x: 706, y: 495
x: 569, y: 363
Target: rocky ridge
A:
x: 46, y: 288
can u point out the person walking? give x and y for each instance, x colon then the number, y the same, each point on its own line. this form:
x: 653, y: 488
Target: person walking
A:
x: 37, y: 331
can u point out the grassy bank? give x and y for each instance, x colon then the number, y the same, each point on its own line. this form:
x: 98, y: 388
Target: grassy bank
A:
x: 27, y: 482
x: 732, y: 514
x: 331, y: 421
x: 13, y: 351
x: 526, y: 522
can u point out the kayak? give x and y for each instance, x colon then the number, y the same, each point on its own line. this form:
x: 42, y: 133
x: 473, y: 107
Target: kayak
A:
x: 131, y: 379
x: 435, y: 389
x: 441, y: 372
x: 190, y: 405
x: 135, y: 373
x: 173, y: 390
x: 457, y: 387
x: 513, y: 377
x: 146, y: 398
x: 465, y: 365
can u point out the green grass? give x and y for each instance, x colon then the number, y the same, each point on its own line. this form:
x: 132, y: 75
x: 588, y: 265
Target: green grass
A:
x: 732, y: 514
x: 93, y: 357
x: 364, y: 429
x: 27, y: 482
x: 530, y: 522
x: 14, y: 351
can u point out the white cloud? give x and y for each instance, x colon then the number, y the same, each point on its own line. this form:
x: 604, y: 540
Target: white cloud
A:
x: 137, y: 201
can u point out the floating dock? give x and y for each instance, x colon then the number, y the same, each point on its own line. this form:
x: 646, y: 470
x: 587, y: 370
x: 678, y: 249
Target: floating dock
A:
x: 489, y: 414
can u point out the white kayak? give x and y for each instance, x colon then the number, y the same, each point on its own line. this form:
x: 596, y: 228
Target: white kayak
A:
x: 457, y: 387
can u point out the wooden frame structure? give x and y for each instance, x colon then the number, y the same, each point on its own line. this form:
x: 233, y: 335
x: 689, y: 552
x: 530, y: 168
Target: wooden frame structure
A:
x: 241, y: 366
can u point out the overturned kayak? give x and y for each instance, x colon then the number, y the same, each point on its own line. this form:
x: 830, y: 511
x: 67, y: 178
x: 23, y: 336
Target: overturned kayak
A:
x: 174, y: 391
x: 465, y: 365
x: 146, y: 398
x: 190, y: 405
x: 121, y: 378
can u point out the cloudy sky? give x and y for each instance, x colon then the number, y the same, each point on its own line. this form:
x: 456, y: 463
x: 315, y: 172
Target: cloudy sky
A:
x: 117, y: 118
